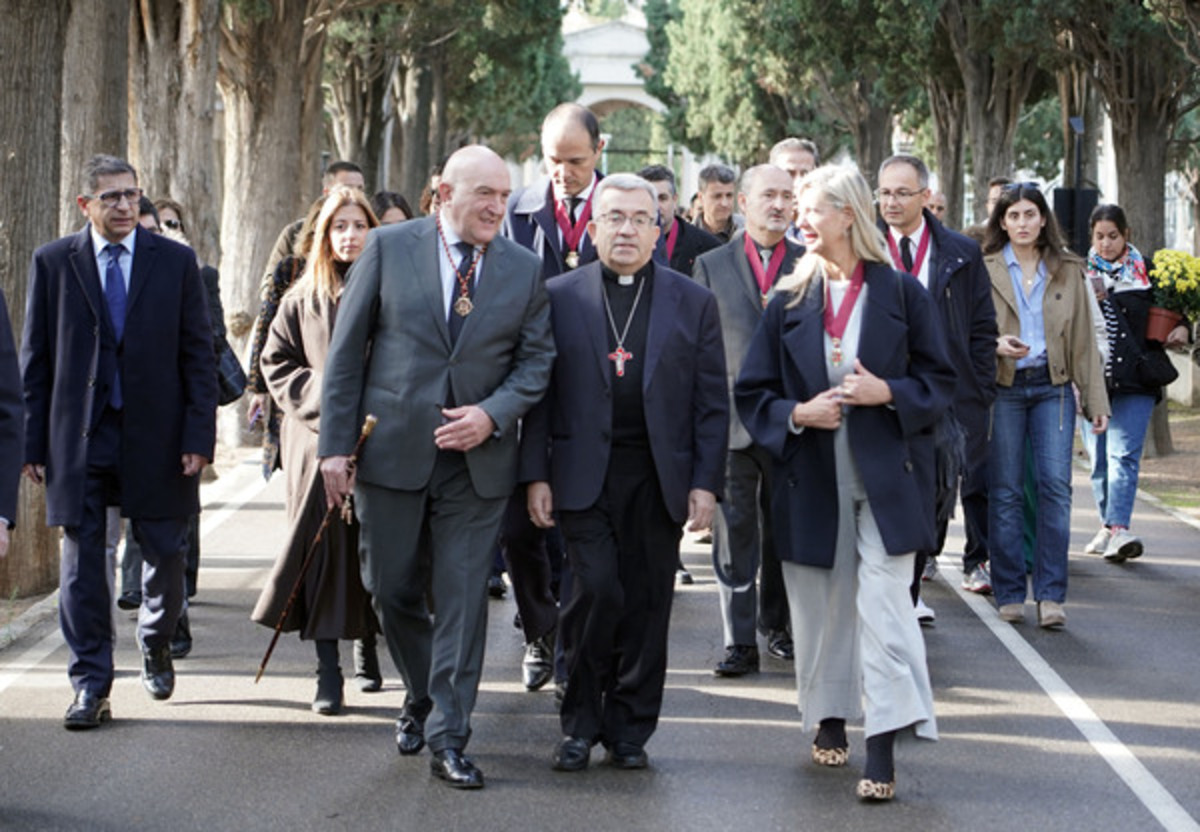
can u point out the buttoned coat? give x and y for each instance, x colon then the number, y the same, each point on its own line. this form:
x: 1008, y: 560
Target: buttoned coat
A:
x: 391, y: 355
x: 568, y: 437
x: 892, y: 444
x: 69, y: 356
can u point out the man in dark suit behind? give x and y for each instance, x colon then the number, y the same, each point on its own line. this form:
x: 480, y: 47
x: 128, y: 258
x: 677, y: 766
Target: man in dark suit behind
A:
x: 11, y: 430
x: 120, y: 409
x: 684, y: 241
x: 742, y: 274
x: 628, y: 444
x: 455, y: 326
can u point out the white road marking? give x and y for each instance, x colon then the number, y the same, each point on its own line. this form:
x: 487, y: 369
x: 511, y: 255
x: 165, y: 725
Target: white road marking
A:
x: 1144, y: 785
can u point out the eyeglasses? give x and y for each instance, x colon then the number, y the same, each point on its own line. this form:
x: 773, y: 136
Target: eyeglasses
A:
x: 111, y: 199
x: 902, y: 194
x: 174, y: 225
x: 616, y: 220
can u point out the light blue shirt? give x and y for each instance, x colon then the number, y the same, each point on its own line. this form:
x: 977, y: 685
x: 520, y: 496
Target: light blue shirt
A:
x: 1029, y: 309
x: 125, y: 261
x: 448, y: 261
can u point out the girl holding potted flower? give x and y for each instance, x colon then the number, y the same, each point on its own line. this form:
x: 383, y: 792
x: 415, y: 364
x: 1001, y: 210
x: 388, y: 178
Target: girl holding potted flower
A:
x: 1134, y: 375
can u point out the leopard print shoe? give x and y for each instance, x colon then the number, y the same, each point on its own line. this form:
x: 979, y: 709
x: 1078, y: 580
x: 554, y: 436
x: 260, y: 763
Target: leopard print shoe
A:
x: 875, y: 792
x: 831, y: 757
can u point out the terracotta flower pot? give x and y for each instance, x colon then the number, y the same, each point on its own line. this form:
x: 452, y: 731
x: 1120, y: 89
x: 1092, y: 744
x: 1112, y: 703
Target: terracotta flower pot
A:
x: 1160, y: 322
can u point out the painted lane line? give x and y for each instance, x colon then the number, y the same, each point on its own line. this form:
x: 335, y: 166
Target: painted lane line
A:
x: 1144, y: 785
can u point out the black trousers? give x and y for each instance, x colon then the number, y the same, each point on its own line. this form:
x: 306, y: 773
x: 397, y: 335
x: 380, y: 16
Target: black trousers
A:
x: 533, y: 558
x: 85, y: 594
x: 622, y: 554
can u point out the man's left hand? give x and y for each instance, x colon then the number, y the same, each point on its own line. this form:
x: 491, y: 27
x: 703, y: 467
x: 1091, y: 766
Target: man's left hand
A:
x: 465, y: 428
x: 702, y: 505
x: 192, y: 463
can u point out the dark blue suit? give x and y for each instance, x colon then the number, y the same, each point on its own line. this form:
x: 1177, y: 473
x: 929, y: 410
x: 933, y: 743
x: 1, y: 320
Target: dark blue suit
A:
x: 901, y: 343
x: 620, y: 506
x: 97, y: 456
x: 11, y: 419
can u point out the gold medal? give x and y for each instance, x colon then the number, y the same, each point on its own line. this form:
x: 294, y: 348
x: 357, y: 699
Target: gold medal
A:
x: 572, y: 259
x: 836, y: 354
x: 463, y: 306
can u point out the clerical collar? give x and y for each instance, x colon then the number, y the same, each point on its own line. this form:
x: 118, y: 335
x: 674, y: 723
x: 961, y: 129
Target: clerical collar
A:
x: 626, y: 279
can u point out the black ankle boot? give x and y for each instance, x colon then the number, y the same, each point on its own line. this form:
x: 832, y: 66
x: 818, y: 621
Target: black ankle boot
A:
x: 328, y: 700
x: 366, y: 665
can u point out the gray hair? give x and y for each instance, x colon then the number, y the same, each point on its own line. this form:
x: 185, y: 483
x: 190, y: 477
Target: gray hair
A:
x: 104, y: 165
x: 793, y: 143
x: 913, y: 162
x: 624, y: 182
x: 716, y: 173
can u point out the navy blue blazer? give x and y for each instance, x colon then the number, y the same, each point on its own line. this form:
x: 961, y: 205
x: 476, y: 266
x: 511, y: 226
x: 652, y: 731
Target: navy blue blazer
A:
x: 566, y: 438
x: 901, y: 343
x: 12, y: 418
x: 69, y: 355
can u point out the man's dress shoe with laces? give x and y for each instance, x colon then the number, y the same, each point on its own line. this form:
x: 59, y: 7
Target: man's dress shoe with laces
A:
x: 781, y: 646
x: 87, y: 711
x: 538, y: 665
x: 739, y: 660
x: 572, y: 754
x: 410, y: 727
x: 158, y: 672
x: 627, y: 755
x: 457, y: 770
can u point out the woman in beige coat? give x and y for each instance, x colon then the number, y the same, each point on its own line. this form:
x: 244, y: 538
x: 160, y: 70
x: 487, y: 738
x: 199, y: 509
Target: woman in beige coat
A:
x: 1047, y: 342
x: 332, y: 604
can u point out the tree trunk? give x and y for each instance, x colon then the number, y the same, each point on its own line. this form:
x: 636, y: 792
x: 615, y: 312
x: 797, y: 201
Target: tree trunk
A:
x: 946, y: 101
x: 312, y: 115
x: 94, y: 95
x: 32, y: 42
x: 872, y: 132
x: 1077, y: 96
x: 173, y: 68
x: 415, y: 122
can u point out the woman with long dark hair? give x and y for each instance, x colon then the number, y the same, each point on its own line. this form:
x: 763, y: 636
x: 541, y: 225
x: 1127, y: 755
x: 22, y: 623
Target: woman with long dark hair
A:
x: 843, y: 383
x: 1133, y: 376
x: 333, y: 604
x: 1047, y: 342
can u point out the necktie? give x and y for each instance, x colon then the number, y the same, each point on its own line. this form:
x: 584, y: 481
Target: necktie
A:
x: 573, y: 207
x: 115, y: 296
x: 906, y: 254
x: 764, y: 254
x: 456, y: 320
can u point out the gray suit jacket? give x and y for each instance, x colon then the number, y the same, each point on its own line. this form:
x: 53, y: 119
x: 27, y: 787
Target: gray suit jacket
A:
x: 391, y: 356
x: 726, y: 272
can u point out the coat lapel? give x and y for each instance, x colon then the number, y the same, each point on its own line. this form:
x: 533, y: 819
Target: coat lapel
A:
x: 1001, y: 281
x: 741, y: 267
x: 544, y: 217
x: 427, y: 269
x: 664, y: 302
x: 593, y: 317
x: 83, y: 263
x: 487, y: 286
x: 882, y: 331
x: 145, y: 249
x: 804, y: 338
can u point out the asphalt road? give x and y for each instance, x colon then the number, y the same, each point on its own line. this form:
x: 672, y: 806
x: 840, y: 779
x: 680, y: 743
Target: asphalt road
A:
x: 1096, y: 727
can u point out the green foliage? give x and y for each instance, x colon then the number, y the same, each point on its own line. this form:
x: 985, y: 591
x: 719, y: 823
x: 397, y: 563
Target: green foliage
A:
x: 637, y: 139
x: 1039, y: 145
x: 607, y: 9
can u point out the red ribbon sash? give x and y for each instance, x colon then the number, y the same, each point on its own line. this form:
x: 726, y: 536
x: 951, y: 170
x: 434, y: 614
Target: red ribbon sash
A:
x: 764, y: 277
x: 672, y: 238
x: 572, y: 234
x: 835, y: 324
x: 918, y: 258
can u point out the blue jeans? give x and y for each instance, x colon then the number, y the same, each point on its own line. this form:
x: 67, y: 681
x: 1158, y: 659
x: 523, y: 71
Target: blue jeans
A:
x: 1116, y: 455
x: 1034, y: 409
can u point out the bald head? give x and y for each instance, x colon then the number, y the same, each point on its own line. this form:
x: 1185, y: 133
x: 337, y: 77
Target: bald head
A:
x: 474, y: 191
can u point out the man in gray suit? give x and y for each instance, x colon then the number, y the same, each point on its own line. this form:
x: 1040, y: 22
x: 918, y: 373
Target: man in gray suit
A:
x: 742, y: 274
x: 443, y: 332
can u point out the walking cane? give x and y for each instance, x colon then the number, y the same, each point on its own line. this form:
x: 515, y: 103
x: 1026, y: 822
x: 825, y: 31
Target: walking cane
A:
x: 347, y: 517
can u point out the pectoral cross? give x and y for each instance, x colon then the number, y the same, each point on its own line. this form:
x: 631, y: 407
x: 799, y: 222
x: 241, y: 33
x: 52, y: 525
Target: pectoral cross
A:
x: 619, y: 357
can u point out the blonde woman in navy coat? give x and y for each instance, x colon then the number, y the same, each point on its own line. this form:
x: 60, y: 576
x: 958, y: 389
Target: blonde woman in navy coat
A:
x: 843, y: 383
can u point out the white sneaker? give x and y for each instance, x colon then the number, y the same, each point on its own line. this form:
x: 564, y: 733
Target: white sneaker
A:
x: 1123, y: 546
x: 978, y: 580
x: 925, y: 615
x: 1099, y: 543
x: 931, y: 569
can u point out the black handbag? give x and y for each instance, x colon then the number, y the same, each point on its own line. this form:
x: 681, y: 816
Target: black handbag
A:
x: 231, y: 378
x: 1154, y: 368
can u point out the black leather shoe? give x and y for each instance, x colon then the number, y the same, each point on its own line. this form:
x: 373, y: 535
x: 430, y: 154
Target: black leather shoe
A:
x: 450, y: 765
x: 328, y: 699
x: 129, y: 600
x: 410, y: 727
x: 181, y: 641
x: 627, y: 756
x: 538, y: 665
x: 739, y: 660
x: 780, y: 645
x: 496, y: 587
x: 572, y: 754
x: 158, y: 672
x: 87, y: 711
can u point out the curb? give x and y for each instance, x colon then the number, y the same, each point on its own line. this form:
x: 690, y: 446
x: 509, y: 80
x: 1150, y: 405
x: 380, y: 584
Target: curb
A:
x: 29, y: 619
